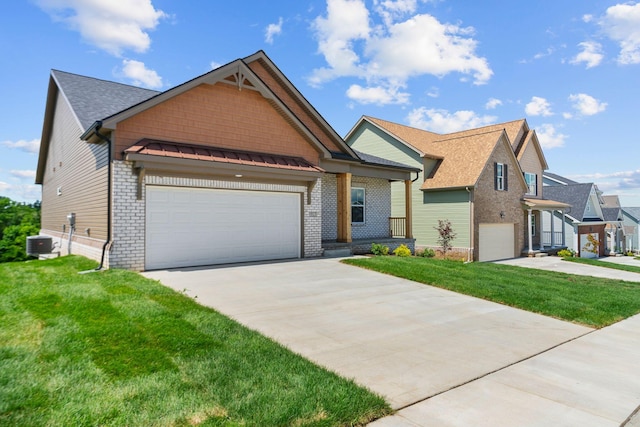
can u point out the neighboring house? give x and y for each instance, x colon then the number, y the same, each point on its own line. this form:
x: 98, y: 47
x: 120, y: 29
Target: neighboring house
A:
x: 234, y: 165
x: 585, y: 216
x: 614, y: 228
x: 631, y: 223
x: 486, y: 181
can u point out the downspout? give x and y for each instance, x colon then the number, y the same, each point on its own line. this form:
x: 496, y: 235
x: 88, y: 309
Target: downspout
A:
x: 470, y: 251
x: 108, y: 141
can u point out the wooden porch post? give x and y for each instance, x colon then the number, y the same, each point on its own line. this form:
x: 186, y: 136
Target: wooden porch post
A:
x: 408, y: 210
x: 344, y: 207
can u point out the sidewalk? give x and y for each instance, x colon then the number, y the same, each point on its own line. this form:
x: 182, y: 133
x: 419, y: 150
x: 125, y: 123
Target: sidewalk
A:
x: 590, y: 381
x: 557, y: 264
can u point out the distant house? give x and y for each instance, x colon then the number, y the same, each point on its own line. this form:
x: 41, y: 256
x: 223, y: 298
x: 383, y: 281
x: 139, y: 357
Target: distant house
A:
x: 232, y: 166
x: 631, y: 223
x: 612, y: 211
x: 486, y: 181
x: 585, y: 216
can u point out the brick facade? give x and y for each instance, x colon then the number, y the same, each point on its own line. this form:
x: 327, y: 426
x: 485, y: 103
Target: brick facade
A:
x: 128, y: 247
x: 377, y: 208
x: 489, y: 202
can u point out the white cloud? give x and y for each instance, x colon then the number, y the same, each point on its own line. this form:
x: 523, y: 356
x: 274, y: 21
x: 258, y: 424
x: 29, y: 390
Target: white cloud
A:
x: 621, y: 23
x: 377, y: 95
x: 549, y: 137
x: 24, y: 174
x: 434, y: 92
x: 587, y: 18
x: 591, y: 54
x: 21, y: 192
x: 140, y: 74
x: 110, y: 25
x: 272, y: 31
x: 215, y: 65
x: 32, y: 146
x: 442, y: 121
x: 587, y: 105
x: 538, y: 107
x: 389, y: 53
x: 492, y: 104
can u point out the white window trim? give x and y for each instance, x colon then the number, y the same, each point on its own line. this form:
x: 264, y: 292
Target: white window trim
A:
x: 364, y: 204
x: 533, y: 183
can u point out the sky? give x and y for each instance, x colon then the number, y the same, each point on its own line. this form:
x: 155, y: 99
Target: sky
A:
x: 570, y: 68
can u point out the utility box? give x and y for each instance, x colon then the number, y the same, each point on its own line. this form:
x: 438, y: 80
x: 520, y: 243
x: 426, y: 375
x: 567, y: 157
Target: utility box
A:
x: 39, y: 245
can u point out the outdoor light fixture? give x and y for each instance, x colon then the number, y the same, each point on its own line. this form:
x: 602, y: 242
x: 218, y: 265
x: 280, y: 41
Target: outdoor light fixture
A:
x: 502, y: 214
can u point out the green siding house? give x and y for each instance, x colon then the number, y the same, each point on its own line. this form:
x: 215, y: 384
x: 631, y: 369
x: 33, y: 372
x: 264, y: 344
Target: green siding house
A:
x: 484, y: 181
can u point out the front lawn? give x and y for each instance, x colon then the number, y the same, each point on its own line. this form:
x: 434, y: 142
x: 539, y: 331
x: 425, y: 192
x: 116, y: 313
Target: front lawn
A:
x: 115, y: 349
x: 587, y: 300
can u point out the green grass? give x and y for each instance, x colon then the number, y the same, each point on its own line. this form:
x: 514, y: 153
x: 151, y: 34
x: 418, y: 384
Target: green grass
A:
x: 606, y: 264
x: 115, y: 349
x: 586, y: 300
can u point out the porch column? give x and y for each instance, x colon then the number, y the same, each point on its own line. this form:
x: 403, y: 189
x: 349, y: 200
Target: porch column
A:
x: 408, y: 210
x: 529, y: 232
x: 564, y: 237
x: 553, y: 231
x: 539, y: 230
x: 344, y: 207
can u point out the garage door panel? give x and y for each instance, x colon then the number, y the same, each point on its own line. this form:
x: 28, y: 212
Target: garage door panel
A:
x: 193, y: 226
x: 496, y: 241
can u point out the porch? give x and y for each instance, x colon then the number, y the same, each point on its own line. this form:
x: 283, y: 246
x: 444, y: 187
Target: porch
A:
x: 333, y: 248
x: 550, y: 241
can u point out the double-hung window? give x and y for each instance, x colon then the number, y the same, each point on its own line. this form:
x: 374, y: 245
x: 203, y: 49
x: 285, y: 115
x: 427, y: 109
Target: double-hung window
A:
x: 532, y: 183
x: 500, y: 175
x: 357, y: 205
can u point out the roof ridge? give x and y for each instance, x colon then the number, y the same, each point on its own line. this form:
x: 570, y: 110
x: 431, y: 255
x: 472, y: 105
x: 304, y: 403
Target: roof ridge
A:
x: 467, y: 136
x: 104, y: 80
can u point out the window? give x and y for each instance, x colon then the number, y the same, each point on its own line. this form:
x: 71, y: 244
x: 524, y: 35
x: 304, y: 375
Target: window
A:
x: 500, y: 175
x: 357, y: 205
x: 533, y: 225
x: 532, y: 183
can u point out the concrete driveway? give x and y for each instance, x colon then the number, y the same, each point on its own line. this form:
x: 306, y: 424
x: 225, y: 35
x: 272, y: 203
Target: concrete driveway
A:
x: 406, y: 341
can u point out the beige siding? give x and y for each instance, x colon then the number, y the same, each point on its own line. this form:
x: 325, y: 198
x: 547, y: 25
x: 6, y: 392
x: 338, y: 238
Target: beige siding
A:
x: 79, y: 170
x: 427, y: 208
x: 530, y: 162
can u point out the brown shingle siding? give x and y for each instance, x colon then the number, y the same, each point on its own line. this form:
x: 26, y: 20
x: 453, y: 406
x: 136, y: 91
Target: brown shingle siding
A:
x: 233, y: 119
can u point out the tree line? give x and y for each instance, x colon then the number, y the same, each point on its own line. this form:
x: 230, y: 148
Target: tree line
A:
x: 17, y: 221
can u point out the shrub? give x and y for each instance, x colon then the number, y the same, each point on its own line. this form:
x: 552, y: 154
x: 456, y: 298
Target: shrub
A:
x: 402, y: 250
x: 427, y: 253
x: 379, y: 249
x: 566, y: 253
x: 446, y: 233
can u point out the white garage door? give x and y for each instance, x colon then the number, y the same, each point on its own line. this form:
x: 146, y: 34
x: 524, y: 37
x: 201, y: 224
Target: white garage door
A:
x: 194, y: 226
x: 496, y: 241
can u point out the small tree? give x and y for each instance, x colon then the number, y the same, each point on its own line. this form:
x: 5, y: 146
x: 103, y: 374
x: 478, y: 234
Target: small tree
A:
x: 446, y: 235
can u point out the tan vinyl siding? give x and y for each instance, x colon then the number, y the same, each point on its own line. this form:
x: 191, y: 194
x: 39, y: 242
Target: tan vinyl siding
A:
x: 530, y: 162
x: 451, y: 205
x: 79, y: 169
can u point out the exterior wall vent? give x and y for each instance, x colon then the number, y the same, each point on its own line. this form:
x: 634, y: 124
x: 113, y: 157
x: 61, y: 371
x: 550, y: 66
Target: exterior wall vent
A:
x: 38, y: 245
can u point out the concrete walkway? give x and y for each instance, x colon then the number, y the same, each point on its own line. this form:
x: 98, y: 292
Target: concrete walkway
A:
x: 557, y: 264
x: 439, y: 357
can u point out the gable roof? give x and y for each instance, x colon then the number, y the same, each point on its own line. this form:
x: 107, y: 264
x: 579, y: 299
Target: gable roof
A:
x: 611, y: 214
x: 462, y: 156
x: 561, y: 180
x: 460, y: 168
x: 99, y: 104
x: 611, y: 201
x: 92, y: 99
x: 633, y: 212
x: 576, y: 195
